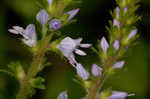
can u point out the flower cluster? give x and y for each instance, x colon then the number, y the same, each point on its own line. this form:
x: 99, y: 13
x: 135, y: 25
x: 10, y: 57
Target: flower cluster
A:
x: 44, y: 18
x: 110, y: 51
x: 122, y: 32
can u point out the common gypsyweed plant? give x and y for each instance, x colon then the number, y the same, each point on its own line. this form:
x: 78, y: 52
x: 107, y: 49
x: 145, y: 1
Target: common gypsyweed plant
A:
x: 122, y: 33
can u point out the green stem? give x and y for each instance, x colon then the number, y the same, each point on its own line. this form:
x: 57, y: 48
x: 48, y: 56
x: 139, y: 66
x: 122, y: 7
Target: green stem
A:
x: 93, y: 91
x: 34, y: 68
x: 95, y: 88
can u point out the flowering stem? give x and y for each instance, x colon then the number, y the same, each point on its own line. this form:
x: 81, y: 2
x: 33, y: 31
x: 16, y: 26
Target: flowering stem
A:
x: 93, y: 91
x: 34, y: 68
x: 95, y: 88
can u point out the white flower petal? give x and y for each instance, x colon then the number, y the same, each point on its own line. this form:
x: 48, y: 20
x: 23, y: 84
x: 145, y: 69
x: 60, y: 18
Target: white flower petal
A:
x: 80, y: 52
x: 18, y: 28
x: 13, y: 31
x: 78, y: 41
x: 67, y: 46
x: 85, y: 45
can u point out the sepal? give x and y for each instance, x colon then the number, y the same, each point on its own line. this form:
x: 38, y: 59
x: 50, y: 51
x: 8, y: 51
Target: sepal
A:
x: 38, y: 83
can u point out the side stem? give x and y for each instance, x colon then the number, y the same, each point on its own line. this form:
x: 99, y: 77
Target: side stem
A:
x: 33, y: 69
x: 95, y: 88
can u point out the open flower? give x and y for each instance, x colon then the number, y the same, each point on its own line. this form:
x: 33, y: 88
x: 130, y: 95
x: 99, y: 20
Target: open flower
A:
x: 69, y: 45
x: 29, y: 34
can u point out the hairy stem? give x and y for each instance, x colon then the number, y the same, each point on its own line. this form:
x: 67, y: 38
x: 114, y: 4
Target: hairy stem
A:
x: 93, y: 91
x: 95, y: 88
x: 33, y: 69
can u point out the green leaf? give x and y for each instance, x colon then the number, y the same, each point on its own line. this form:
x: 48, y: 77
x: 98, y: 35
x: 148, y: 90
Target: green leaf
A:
x: 7, y: 72
x: 38, y: 83
x: 17, y: 70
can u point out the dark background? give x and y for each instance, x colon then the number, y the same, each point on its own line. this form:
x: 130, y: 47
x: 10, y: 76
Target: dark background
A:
x: 91, y: 22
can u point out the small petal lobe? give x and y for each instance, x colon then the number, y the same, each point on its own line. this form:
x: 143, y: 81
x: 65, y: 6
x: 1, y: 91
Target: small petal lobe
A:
x: 80, y: 52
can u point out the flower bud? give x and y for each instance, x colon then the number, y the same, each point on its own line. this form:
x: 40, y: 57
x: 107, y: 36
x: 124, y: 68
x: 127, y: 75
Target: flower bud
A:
x: 104, y: 44
x: 55, y: 24
x: 96, y: 70
x: 81, y: 71
x: 63, y: 95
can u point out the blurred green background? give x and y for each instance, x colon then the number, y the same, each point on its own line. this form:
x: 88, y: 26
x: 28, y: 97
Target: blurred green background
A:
x: 92, y: 18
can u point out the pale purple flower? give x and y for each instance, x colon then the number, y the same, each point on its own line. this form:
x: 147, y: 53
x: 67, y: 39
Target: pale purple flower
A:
x: 72, y: 13
x: 116, y: 23
x: 55, y: 24
x: 116, y: 45
x: 63, y: 95
x: 118, y: 95
x: 104, y: 44
x: 117, y: 12
x: 125, y: 9
x: 96, y: 70
x: 119, y: 64
x: 42, y: 17
x: 81, y: 71
x: 69, y: 45
x: 29, y: 34
x: 132, y: 34
x: 50, y: 2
